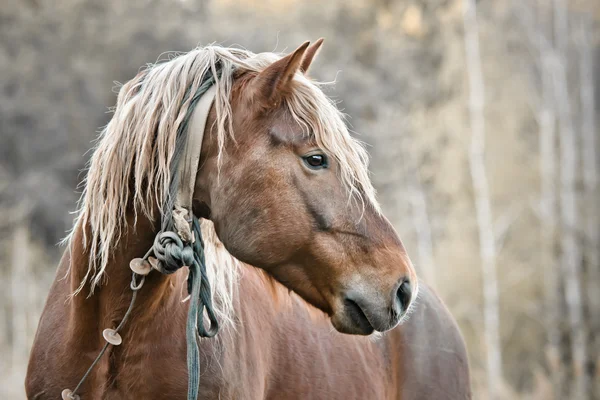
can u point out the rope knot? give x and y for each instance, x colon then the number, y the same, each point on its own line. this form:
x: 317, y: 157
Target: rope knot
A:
x: 171, y: 252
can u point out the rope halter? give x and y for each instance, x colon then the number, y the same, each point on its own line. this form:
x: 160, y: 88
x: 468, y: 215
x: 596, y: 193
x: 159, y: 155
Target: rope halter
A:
x: 178, y: 244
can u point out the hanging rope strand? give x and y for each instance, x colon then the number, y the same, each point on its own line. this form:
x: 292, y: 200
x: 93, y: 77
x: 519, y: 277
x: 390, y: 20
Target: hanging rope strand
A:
x: 135, y: 286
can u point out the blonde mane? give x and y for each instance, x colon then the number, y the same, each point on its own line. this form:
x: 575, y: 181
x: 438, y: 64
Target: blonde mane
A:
x: 130, y: 167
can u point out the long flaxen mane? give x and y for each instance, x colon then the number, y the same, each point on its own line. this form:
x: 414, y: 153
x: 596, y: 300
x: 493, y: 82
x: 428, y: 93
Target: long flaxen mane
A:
x: 130, y: 167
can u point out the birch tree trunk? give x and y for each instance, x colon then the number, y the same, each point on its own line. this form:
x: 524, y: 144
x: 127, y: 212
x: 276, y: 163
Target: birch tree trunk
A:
x: 552, y: 289
x: 487, y: 245
x: 571, y: 254
x: 590, y: 185
x: 546, y: 118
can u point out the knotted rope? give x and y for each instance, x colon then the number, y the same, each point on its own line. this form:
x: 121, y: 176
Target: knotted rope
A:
x: 172, y: 253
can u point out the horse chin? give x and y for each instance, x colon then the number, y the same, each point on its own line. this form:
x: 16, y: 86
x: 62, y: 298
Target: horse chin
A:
x: 351, y: 325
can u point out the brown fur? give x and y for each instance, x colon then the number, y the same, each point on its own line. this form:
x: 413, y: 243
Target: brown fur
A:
x: 306, y: 249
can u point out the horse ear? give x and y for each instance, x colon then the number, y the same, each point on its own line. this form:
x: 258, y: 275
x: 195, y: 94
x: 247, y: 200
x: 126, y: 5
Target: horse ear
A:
x: 276, y: 78
x: 310, y: 55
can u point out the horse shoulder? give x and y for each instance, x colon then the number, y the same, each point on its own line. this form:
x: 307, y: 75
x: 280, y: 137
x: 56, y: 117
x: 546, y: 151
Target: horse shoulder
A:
x: 49, y: 347
x: 434, y: 357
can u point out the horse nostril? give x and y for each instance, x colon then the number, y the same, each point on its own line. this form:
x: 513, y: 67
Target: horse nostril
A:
x: 404, y: 294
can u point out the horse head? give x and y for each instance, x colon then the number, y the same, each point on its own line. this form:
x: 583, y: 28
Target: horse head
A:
x: 291, y: 195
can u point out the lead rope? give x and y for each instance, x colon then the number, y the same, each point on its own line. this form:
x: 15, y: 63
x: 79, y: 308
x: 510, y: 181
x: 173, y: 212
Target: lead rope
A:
x: 171, y: 254
x: 111, y: 336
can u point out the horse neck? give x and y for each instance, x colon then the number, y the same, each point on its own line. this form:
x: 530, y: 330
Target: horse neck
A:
x: 107, y: 303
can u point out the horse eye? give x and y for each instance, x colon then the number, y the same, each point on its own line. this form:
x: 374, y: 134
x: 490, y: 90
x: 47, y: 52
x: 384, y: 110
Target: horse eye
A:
x: 316, y: 161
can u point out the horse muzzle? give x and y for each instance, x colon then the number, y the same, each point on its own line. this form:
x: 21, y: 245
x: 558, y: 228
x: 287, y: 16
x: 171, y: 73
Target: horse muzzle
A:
x: 364, y: 311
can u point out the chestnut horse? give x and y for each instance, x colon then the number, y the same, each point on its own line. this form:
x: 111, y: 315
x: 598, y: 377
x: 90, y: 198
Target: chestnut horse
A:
x: 295, y: 243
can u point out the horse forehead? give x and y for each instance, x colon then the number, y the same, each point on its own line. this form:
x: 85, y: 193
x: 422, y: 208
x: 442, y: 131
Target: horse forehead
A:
x: 284, y: 130
x: 278, y: 126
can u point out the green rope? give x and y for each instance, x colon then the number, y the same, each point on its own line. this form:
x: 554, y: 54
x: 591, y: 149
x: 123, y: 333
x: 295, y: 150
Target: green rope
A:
x: 173, y: 253
x: 199, y: 278
x: 200, y: 300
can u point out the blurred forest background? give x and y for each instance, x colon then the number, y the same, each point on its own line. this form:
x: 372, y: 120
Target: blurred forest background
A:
x: 482, y: 120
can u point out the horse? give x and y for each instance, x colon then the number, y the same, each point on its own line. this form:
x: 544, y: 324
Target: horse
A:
x: 313, y: 290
